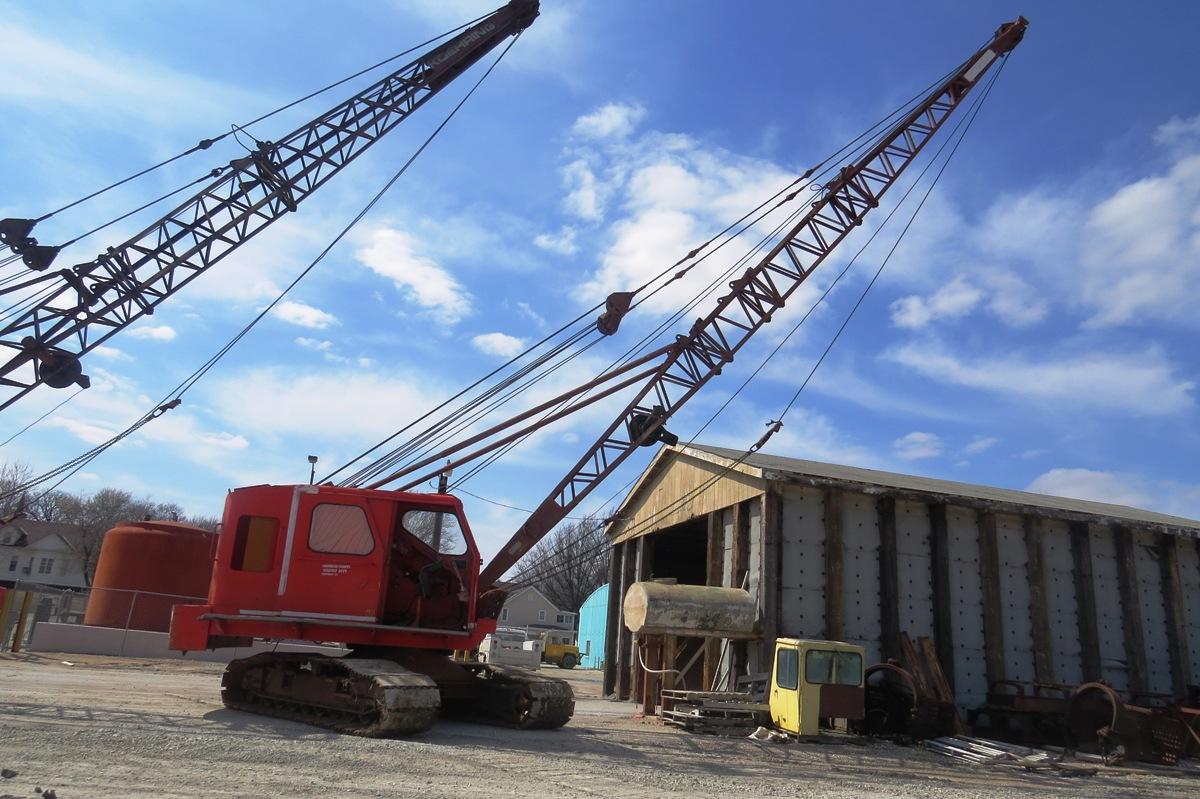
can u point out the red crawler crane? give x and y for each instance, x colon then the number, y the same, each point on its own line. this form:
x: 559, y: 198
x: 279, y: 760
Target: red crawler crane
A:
x: 359, y: 565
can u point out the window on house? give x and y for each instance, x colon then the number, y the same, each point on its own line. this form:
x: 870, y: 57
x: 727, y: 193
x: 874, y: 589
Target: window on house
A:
x: 45, y: 565
x: 254, y: 544
x: 12, y: 565
x: 541, y: 615
x: 504, y: 614
x: 561, y: 618
x: 340, y: 530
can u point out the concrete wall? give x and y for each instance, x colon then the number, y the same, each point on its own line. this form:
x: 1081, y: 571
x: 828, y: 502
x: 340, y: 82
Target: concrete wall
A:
x: 82, y: 639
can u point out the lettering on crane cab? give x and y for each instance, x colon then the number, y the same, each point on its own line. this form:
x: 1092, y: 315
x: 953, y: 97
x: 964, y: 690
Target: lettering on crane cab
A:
x: 334, y: 569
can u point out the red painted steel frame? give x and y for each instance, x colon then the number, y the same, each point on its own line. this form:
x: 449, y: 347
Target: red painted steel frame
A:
x: 309, y: 595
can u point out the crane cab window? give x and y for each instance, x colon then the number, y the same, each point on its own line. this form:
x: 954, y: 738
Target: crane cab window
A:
x: 787, y: 668
x: 254, y: 544
x: 439, y: 529
x: 340, y: 530
x: 824, y: 667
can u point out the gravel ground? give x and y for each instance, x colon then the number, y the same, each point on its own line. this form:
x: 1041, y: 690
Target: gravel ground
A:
x: 109, y: 727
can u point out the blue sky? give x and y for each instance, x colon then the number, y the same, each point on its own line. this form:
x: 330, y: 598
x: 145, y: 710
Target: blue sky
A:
x: 1034, y: 330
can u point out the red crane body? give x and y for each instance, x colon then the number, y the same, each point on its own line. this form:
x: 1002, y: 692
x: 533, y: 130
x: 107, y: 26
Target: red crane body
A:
x: 358, y: 565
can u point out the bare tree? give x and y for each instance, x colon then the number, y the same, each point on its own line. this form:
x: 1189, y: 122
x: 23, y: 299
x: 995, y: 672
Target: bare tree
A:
x: 568, y: 564
x: 14, y: 500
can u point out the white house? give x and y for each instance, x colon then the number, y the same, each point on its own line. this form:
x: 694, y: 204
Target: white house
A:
x: 529, y: 608
x: 40, y: 552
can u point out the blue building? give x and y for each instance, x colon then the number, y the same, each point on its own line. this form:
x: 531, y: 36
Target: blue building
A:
x: 593, y: 621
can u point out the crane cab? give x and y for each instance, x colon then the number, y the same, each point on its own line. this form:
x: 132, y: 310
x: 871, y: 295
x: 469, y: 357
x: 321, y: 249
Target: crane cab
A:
x: 324, y: 563
x: 814, y: 680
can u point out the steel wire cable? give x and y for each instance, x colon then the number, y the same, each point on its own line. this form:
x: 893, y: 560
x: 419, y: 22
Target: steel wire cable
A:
x: 204, y: 144
x: 173, y: 398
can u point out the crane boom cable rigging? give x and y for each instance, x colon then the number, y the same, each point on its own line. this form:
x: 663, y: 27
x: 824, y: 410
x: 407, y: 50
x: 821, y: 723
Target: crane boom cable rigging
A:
x: 206, y: 143
x: 100, y: 298
x: 859, y: 143
x: 174, y: 397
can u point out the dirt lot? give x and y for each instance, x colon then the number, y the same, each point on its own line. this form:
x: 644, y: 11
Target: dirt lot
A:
x: 107, y: 727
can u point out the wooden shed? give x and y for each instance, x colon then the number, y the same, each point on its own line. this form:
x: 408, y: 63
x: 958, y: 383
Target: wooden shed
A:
x: 1009, y: 585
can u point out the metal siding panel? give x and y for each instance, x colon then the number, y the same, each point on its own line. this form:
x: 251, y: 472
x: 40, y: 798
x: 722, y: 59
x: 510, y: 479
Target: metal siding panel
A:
x: 1014, y: 598
x: 970, y: 671
x: 860, y: 586
x: 728, y: 520
x: 915, y: 565
x: 754, y: 654
x: 1189, y: 573
x: 1154, y: 613
x: 1060, y: 599
x: 1109, y: 622
x: 802, y: 613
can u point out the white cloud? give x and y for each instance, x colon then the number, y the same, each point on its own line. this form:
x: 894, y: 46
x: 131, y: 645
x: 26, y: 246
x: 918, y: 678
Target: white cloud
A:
x: 527, y: 310
x: 561, y: 243
x: 953, y: 300
x: 613, y: 120
x: 393, y: 254
x: 1098, y: 486
x: 111, y: 354
x: 1178, y: 131
x: 917, y: 445
x: 498, y: 344
x: 319, y: 345
x: 297, y: 313
x: 153, y: 333
x: 980, y: 444
x: 1138, y: 383
x: 586, y: 195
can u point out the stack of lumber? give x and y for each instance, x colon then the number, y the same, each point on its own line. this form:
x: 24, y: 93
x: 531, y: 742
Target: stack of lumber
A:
x: 715, y: 712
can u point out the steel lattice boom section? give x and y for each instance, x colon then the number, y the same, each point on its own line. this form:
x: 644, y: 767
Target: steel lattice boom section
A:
x: 98, y: 299
x: 714, y: 340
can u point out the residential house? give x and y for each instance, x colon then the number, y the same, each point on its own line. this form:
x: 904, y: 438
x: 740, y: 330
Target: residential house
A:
x: 530, y: 609
x: 41, y: 552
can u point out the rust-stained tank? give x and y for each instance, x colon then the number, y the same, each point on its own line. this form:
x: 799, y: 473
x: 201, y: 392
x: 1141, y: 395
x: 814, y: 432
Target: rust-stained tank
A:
x: 166, y: 563
x: 653, y: 608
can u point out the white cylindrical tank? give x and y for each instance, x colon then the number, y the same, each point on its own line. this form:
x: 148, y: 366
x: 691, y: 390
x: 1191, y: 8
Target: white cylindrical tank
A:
x: 695, y: 610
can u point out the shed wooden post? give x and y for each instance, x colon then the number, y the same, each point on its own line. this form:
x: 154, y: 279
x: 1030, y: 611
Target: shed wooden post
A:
x: 715, y: 563
x: 835, y: 601
x: 889, y: 577
x: 654, y: 657
x: 1085, y: 601
x: 993, y: 609
x: 1131, y: 609
x: 624, y: 637
x: 644, y: 570
x: 1172, y: 589
x: 943, y: 625
x: 613, y: 615
x: 1043, y: 656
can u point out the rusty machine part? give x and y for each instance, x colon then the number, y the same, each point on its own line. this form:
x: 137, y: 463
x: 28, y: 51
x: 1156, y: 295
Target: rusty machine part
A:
x: 1022, y: 712
x: 1097, y: 716
x: 898, y: 705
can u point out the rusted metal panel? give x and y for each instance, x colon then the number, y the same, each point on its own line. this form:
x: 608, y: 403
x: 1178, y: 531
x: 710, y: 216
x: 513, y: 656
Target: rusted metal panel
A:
x: 834, y: 554
x: 1152, y: 612
x: 889, y: 578
x: 1062, y: 606
x: 860, y: 574
x: 655, y: 504
x: 1085, y: 597
x: 943, y: 602
x: 966, y: 597
x: 915, y: 567
x: 1039, y: 612
x: 1131, y: 606
x: 802, y: 604
x: 1189, y: 578
x: 990, y: 603
x: 1176, y: 618
x: 1015, y: 602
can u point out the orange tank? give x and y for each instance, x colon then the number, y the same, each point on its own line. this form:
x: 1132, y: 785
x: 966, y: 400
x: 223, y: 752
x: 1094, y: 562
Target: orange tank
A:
x: 166, y: 563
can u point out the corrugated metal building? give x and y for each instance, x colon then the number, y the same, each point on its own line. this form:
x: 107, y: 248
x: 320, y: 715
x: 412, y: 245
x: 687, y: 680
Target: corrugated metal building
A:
x: 1009, y: 585
x: 593, y: 621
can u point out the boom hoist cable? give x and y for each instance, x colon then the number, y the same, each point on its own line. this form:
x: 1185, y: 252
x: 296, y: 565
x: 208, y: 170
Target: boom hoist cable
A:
x: 90, y: 302
x: 175, y: 397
